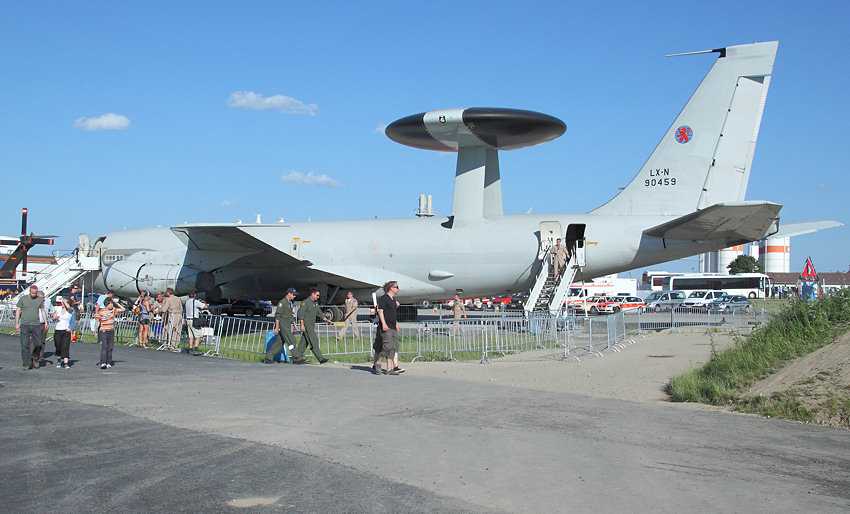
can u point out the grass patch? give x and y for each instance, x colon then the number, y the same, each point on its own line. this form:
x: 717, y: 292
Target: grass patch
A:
x: 837, y: 406
x: 788, y: 404
x: 798, y: 328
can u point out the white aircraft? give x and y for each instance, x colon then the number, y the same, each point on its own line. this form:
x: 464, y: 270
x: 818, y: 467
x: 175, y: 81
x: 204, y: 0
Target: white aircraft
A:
x: 687, y: 198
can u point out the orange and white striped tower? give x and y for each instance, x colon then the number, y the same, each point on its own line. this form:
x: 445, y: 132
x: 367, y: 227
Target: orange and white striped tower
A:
x: 726, y: 256
x: 775, y: 254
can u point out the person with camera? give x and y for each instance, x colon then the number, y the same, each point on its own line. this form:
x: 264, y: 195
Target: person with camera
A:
x: 195, y: 322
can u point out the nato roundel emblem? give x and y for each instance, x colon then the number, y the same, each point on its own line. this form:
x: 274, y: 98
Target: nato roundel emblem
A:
x: 684, y: 134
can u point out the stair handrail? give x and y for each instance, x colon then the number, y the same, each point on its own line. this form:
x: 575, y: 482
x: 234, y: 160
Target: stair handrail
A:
x: 557, y: 303
x: 539, y: 282
x: 64, y: 264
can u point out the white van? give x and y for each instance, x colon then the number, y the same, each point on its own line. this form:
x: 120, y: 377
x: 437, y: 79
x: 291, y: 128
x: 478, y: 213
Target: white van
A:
x: 702, y: 298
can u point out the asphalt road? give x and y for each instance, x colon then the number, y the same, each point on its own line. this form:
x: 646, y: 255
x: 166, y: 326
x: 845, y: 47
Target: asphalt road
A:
x: 166, y: 432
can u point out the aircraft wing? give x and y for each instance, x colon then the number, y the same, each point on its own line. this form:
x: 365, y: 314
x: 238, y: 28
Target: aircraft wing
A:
x: 374, y: 276
x: 240, y: 247
x: 739, y: 221
x: 804, y: 227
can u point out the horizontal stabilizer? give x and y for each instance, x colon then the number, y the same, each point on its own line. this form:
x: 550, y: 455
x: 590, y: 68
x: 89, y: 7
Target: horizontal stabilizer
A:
x: 804, y: 227
x: 735, y: 222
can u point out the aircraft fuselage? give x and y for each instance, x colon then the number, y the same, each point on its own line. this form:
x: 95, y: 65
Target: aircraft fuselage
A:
x: 430, y: 261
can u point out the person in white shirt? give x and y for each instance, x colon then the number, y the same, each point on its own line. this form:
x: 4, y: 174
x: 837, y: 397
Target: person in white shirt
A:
x: 62, y: 315
x: 193, y: 312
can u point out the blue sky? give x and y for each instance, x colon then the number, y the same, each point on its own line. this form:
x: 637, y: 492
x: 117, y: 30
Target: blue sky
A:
x: 131, y: 114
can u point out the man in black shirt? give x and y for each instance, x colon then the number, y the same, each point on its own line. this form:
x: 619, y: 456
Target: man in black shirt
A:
x: 388, y: 330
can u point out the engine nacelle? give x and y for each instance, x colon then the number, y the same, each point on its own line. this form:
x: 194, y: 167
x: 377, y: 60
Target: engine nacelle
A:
x: 128, y: 277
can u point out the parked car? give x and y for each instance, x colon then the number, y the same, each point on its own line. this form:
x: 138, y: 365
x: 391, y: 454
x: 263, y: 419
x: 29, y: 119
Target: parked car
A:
x: 730, y: 304
x: 518, y: 301
x: 593, y: 305
x: 622, y: 303
x: 701, y: 299
x: 501, y: 302
x: 247, y: 308
x: 658, y: 301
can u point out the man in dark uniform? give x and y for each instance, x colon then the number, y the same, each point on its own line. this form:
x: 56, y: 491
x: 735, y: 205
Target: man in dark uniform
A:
x: 308, y: 313
x: 284, y: 320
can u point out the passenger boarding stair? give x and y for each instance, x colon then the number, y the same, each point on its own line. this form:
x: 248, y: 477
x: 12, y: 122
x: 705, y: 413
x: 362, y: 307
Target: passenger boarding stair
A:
x: 549, y: 294
x: 67, y: 269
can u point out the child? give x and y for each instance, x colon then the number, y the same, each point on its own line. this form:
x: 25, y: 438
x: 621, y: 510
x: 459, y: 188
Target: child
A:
x: 106, y: 330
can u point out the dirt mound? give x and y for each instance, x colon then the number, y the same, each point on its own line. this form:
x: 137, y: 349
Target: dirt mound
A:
x: 819, y: 380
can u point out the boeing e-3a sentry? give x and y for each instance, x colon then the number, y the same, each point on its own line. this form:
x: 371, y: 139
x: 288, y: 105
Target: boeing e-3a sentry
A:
x: 687, y: 198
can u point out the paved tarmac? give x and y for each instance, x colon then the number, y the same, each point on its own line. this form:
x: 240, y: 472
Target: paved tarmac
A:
x: 166, y: 432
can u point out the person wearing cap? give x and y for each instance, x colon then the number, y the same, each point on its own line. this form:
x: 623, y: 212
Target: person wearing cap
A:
x: 308, y: 313
x: 284, y: 325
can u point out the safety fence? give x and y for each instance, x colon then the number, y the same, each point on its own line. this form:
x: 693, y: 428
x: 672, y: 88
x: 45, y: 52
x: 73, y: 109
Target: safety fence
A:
x: 682, y: 319
x: 481, y: 338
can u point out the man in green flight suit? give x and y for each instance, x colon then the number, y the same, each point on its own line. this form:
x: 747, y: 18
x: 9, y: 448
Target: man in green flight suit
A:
x: 284, y: 320
x: 308, y: 313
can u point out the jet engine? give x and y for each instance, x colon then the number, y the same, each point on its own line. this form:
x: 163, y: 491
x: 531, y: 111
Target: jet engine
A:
x: 128, y: 277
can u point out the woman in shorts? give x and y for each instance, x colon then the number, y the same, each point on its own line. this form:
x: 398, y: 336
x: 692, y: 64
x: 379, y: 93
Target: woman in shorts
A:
x: 144, y: 305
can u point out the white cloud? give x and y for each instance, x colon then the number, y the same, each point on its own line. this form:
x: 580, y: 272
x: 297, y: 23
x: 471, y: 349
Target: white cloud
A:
x: 108, y: 121
x: 280, y: 103
x: 311, y: 180
x: 228, y: 203
x: 380, y: 129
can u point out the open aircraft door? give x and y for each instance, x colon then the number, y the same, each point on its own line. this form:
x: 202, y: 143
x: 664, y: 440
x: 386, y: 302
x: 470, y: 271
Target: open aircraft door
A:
x: 575, y: 242
x: 549, y: 231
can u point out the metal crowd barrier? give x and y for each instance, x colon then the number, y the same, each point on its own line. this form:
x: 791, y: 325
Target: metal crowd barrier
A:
x: 444, y: 338
x: 683, y: 319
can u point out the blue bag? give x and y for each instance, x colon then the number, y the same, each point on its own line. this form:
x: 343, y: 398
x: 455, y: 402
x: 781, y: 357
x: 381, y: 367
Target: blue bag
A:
x: 282, y: 356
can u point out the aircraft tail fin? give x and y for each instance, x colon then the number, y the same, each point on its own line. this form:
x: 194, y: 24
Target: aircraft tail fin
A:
x: 705, y: 155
